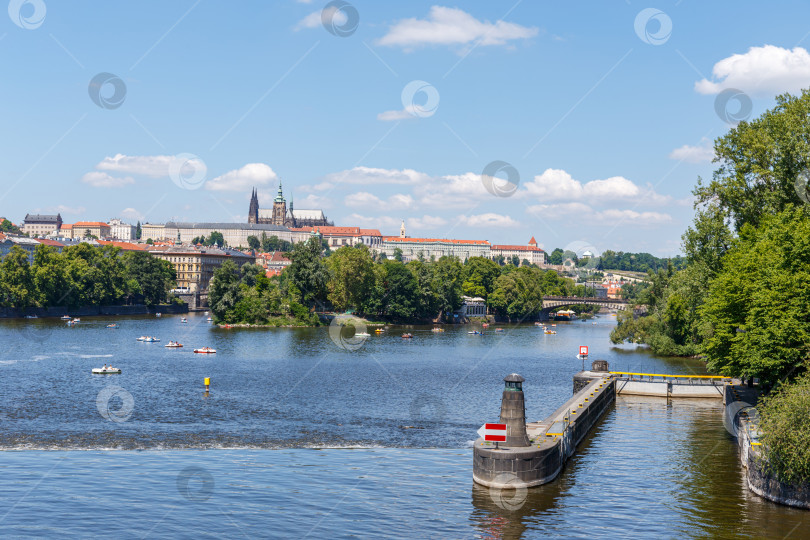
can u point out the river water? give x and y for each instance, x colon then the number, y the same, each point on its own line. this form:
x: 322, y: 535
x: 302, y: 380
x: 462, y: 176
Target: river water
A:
x: 308, y: 433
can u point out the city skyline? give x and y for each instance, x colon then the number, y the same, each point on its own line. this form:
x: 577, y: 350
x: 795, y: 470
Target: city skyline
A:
x: 377, y: 113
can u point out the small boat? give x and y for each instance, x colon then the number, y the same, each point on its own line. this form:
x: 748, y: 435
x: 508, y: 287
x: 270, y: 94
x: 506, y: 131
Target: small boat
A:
x: 158, y: 314
x: 553, y: 325
x: 499, y: 330
x: 378, y: 330
x: 142, y: 338
x: 485, y: 325
x: 538, y: 324
x: 362, y: 334
x: 113, y: 325
x: 107, y: 371
x: 225, y: 326
x: 173, y: 345
x: 31, y: 317
x: 476, y: 332
x: 66, y: 317
x: 183, y: 320
x: 209, y: 319
x: 437, y: 329
x: 206, y: 314
x: 148, y: 339
x: 205, y: 350
x: 550, y: 331
x: 407, y: 336
x: 76, y: 320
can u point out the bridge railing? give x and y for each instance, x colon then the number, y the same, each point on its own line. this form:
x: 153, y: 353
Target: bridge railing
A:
x: 651, y: 377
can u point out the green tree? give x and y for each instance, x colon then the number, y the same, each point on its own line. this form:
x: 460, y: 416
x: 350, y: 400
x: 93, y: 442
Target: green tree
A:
x: 153, y: 277
x: 351, y: 273
x: 479, y: 277
x: 138, y: 231
x: 254, y: 242
x: 307, y: 272
x: 786, y: 432
x: 216, y: 238
x: 757, y: 318
x: 17, y: 280
x: 223, y: 290
x: 394, y: 292
x: 447, y: 282
x: 397, y: 254
x: 8, y: 227
x: 556, y: 257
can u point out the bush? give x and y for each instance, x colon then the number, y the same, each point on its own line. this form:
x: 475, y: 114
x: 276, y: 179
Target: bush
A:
x: 786, y: 431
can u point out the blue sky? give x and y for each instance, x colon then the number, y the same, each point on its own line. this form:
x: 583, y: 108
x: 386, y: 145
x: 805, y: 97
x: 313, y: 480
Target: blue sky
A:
x: 604, y: 110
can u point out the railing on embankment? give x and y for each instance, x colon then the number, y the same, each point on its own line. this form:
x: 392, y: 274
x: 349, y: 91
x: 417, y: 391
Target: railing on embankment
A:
x: 662, y: 385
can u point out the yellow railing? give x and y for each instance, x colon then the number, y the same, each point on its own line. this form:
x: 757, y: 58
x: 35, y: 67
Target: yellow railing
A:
x: 669, y: 376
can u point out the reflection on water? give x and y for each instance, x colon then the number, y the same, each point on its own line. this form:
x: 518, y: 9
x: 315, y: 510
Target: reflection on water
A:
x: 652, y: 468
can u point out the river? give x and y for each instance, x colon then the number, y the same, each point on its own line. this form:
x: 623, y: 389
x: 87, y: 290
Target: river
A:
x: 307, y: 433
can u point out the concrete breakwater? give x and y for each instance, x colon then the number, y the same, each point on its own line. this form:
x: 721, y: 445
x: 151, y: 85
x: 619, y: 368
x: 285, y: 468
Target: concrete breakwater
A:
x: 535, y: 453
x: 742, y: 421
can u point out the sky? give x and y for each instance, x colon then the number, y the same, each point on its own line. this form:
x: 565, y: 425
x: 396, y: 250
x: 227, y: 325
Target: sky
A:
x: 584, y: 126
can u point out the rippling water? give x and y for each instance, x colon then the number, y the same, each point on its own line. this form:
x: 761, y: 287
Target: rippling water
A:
x: 652, y: 467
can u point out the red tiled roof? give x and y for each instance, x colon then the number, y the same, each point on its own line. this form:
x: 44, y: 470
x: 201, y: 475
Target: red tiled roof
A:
x: 331, y: 231
x: 90, y: 224
x: 276, y: 256
x: 126, y: 246
x: 533, y: 241
x: 370, y: 232
x: 66, y: 226
x: 48, y: 242
x: 444, y: 240
x: 515, y: 248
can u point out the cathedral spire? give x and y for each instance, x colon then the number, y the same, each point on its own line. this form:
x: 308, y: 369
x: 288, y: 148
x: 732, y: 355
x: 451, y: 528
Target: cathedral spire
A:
x: 280, y: 196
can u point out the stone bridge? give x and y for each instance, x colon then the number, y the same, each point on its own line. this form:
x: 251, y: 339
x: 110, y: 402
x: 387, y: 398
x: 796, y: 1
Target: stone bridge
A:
x: 551, y: 302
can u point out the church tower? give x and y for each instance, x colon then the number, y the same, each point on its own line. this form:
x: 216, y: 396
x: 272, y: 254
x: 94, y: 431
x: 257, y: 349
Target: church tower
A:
x: 402, y: 229
x: 279, y: 208
x: 253, y: 210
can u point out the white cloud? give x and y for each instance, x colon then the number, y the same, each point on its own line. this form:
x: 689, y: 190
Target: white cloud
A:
x: 488, y: 220
x: 557, y: 184
x: 631, y: 217
x: 105, y: 180
x: 425, y: 222
x: 370, y: 176
x: 62, y: 209
x: 131, y: 213
x: 362, y: 199
x: 703, y: 153
x: 154, y: 166
x: 452, y: 26
x: 312, y: 20
x: 244, y: 178
x: 762, y: 71
x: 393, y: 116
x: 560, y: 209
x: 312, y: 201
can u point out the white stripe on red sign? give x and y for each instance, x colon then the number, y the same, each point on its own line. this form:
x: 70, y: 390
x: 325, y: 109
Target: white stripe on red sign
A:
x: 493, y: 432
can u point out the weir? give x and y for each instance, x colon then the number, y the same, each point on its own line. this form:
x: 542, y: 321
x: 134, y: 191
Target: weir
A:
x: 535, y: 452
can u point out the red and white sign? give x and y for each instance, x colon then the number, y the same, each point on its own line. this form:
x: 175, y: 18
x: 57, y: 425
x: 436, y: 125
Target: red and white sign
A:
x: 493, y: 432
x: 583, y: 350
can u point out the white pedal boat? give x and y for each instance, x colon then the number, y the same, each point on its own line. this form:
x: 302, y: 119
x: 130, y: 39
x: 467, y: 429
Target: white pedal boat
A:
x: 106, y: 371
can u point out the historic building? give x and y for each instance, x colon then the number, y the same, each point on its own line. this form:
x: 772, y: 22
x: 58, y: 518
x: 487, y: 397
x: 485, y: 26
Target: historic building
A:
x: 282, y: 216
x: 41, y: 225
x: 529, y: 252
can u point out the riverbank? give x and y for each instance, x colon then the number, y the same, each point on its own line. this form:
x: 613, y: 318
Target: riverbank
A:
x: 90, y: 311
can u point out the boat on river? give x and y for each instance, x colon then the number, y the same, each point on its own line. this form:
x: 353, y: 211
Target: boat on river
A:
x: 475, y: 332
x: 407, y: 336
x: 437, y: 329
x: 183, y: 320
x: 113, y: 325
x: 158, y: 314
x: 173, y: 345
x: 107, y: 371
x: 205, y: 350
x: 148, y: 339
x: 362, y: 334
x: 66, y: 317
x: 550, y: 331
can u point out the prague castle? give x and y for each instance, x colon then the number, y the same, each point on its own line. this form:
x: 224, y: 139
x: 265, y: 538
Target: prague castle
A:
x: 281, y: 216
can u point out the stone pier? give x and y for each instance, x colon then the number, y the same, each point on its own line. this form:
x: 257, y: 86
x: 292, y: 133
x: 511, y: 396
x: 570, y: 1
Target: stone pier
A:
x: 535, y: 453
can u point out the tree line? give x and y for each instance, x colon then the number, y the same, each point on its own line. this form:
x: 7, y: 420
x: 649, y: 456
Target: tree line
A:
x: 83, y: 275
x: 352, y: 279
x: 617, y: 260
x: 742, y: 300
